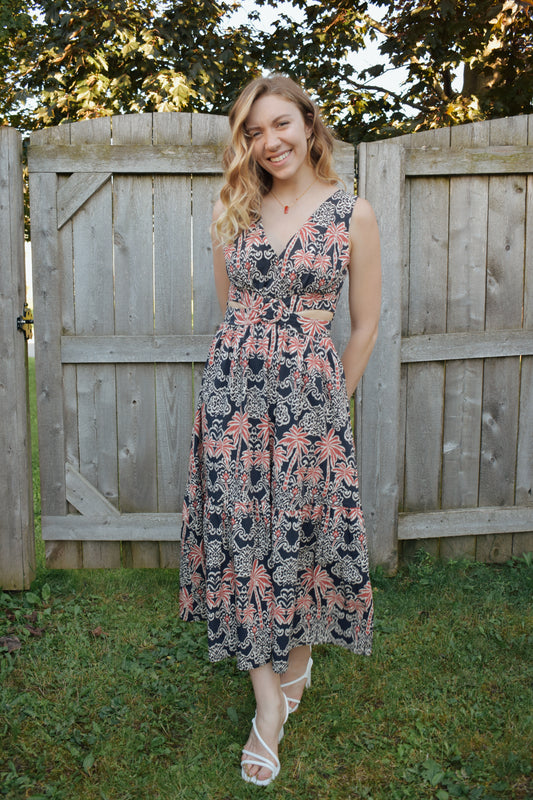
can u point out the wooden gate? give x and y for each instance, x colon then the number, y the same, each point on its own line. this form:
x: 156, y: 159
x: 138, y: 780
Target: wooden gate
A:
x: 446, y: 439
x: 125, y: 309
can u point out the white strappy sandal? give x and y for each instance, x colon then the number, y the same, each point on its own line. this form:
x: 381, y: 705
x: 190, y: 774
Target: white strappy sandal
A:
x: 262, y: 761
x: 307, y: 676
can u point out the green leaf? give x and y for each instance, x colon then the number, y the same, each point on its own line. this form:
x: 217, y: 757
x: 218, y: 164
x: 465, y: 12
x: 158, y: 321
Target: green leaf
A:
x: 45, y: 592
x: 88, y: 762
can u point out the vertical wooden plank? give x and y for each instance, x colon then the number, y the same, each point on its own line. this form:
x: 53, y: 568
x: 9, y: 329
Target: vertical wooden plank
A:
x: 48, y: 281
x: 173, y: 306
x: 134, y: 313
x: 340, y: 327
x: 206, y: 129
x: 428, y: 261
x: 467, y: 250
x: 92, y: 255
x: 505, y: 270
x: 523, y: 542
x: 17, y: 540
x: 378, y: 442
x: 68, y: 326
x: 404, y: 311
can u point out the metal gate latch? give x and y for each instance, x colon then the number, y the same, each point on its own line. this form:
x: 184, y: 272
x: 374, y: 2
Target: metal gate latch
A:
x: 25, y: 322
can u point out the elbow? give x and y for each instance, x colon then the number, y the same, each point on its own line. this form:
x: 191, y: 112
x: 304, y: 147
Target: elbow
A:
x: 367, y: 335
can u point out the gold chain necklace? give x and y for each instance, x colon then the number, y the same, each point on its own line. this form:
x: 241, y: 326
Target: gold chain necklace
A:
x: 286, y: 206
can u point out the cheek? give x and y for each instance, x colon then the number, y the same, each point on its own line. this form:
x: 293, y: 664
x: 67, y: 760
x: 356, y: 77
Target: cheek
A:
x: 256, y: 150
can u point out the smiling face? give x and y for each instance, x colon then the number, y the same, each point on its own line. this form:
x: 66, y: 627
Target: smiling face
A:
x: 279, y: 133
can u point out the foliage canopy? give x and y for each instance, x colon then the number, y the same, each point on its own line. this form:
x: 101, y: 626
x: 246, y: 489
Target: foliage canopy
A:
x: 463, y: 60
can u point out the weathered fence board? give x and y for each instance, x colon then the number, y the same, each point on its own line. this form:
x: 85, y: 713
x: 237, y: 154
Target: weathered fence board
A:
x: 426, y: 313
x: 134, y: 313
x: 206, y: 311
x: 431, y: 159
x: 465, y: 390
x: 172, y: 313
x: 17, y: 543
x: 49, y: 254
x: 465, y: 314
x: 141, y: 157
x: 92, y: 227
x: 504, y: 299
x: 378, y: 442
x: 523, y: 542
x: 150, y: 528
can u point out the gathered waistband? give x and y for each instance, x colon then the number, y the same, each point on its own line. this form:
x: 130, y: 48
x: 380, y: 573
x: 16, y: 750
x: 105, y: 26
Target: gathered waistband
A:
x: 260, y: 309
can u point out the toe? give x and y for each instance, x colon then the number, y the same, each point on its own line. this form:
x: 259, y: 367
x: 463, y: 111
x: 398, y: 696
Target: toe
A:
x: 263, y: 774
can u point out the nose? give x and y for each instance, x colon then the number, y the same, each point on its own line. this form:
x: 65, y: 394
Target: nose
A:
x: 272, y: 141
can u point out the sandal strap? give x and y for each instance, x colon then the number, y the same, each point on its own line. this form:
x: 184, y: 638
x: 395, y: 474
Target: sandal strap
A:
x: 307, y: 675
x: 296, y: 680
x: 259, y: 761
x: 273, y: 765
x: 292, y: 700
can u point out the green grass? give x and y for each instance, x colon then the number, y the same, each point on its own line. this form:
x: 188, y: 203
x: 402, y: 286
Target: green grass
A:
x: 111, y: 697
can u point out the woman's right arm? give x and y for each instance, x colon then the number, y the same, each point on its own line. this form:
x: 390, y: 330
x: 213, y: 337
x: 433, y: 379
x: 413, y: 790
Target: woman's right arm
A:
x: 219, y: 261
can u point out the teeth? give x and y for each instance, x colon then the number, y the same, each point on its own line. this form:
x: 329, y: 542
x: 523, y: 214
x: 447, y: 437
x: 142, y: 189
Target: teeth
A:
x: 277, y: 159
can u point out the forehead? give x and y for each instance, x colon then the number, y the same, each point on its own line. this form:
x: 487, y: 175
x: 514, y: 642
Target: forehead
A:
x: 269, y: 107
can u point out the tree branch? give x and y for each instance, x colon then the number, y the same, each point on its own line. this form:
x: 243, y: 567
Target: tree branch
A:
x: 383, y: 90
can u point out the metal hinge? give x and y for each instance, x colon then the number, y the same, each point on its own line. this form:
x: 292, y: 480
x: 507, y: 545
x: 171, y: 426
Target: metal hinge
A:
x: 25, y: 322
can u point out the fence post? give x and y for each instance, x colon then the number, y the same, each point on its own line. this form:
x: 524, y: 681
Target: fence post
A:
x: 17, y: 541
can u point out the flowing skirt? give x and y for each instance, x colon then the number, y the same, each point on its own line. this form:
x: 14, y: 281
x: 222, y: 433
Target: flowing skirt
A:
x: 273, y: 548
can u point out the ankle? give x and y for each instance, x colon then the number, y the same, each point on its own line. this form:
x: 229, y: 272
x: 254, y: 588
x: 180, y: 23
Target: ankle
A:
x: 272, y: 712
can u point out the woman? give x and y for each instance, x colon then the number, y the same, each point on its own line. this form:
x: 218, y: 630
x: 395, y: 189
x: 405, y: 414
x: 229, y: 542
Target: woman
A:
x: 273, y: 545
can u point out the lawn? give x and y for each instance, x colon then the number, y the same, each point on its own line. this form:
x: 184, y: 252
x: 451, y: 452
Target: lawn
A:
x: 110, y: 697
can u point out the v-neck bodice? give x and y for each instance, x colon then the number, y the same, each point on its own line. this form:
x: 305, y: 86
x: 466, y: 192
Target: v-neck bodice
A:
x: 295, y: 234
x: 312, y: 265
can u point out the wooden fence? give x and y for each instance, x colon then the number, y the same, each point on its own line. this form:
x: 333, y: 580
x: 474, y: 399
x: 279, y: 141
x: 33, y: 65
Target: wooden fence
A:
x: 17, y: 542
x: 125, y: 309
x: 447, y: 401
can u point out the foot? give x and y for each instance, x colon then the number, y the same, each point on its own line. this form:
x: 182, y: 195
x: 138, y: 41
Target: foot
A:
x: 269, y: 722
x: 295, y: 679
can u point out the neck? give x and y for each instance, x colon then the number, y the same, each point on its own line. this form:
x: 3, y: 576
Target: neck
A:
x: 292, y: 187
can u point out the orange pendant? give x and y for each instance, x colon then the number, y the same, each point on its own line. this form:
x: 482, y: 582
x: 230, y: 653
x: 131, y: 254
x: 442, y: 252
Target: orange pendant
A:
x: 286, y: 210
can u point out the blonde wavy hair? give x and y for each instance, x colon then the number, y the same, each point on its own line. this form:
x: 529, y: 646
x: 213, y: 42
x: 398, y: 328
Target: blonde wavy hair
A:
x: 246, y: 181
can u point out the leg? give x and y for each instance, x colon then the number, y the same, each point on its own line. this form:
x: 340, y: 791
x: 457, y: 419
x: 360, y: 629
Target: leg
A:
x: 270, y: 715
x: 298, y: 661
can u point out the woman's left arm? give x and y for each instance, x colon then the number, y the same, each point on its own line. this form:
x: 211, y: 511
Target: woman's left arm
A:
x: 364, y: 292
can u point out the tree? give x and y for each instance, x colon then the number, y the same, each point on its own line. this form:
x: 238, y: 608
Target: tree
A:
x: 88, y: 58
x: 16, y: 21
x: 73, y: 59
x: 482, y: 45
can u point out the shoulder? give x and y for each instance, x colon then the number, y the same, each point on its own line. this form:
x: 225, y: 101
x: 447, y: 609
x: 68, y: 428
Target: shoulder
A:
x: 363, y: 214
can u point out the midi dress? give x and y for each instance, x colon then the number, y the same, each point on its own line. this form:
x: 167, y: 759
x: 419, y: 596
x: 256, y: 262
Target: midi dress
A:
x: 273, y: 544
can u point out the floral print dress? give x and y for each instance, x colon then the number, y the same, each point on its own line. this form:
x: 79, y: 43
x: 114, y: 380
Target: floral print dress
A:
x: 273, y: 546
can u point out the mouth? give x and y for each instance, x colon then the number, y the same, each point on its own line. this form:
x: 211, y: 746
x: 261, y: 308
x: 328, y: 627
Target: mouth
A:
x: 280, y: 158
